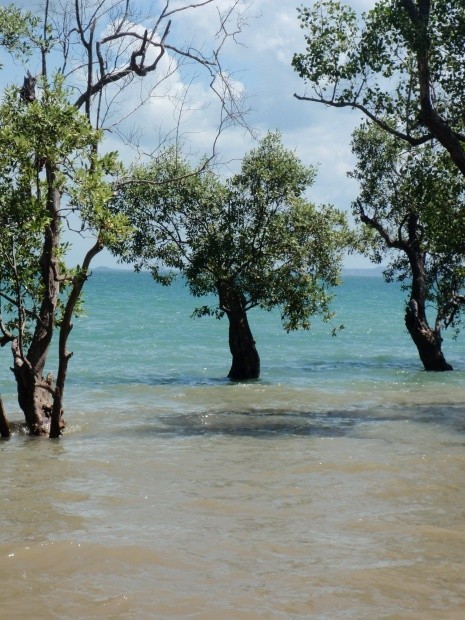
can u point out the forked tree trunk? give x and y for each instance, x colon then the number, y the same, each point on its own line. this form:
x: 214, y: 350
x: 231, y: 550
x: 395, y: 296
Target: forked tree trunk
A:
x: 35, y: 392
x: 40, y: 400
x: 57, y: 424
x: 34, y: 397
x: 428, y: 341
x: 245, y: 358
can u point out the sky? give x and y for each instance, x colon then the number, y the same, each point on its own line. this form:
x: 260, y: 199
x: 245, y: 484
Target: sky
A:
x: 260, y: 66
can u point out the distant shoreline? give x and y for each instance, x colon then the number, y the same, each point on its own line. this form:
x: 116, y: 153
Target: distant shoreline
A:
x: 372, y: 272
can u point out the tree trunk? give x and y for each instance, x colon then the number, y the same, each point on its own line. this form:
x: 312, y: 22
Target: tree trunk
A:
x: 245, y: 359
x: 428, y: 341
x: 57, y: 424
x: 34, y: 395
x: 35, y: 392
x: 4, y: 426
x: 430, y: 117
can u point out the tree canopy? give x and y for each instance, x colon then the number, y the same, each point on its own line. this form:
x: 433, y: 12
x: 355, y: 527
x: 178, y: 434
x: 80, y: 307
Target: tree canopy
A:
x: 253, y: 240
x: 401, y: 64
x: 256, y: 231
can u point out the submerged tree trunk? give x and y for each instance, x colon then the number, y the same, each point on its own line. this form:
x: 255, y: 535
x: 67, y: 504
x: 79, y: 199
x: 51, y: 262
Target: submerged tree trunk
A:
x: 245, y: 359
x: 427, y: 340
x: 34, y: 396
x: 40, y: 399
x: 35, y: 392
x: 4, y: 425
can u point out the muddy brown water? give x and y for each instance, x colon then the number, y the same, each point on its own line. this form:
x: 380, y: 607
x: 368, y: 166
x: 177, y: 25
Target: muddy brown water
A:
x: 226, y: 513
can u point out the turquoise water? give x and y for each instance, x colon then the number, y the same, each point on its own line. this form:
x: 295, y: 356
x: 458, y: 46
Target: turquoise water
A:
x: 138, y: 348
x: 332, y: 487
x: 137, y: 335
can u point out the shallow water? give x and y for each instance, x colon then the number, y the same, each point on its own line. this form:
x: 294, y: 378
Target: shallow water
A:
x: 333, y: 487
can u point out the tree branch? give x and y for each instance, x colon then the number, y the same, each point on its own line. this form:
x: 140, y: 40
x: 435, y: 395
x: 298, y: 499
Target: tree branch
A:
x: 376, y: 225
x: 354, y: 105
x: 430, y: 117
x: 411, y: 9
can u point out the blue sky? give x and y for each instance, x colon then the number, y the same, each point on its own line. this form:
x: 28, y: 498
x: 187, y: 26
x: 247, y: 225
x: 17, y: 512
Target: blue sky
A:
x: 261, y: 68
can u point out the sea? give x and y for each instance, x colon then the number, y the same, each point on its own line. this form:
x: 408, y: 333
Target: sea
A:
x: 333, y: 487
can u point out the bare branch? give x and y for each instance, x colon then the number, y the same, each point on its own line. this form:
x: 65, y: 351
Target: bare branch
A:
x: 354, y: 105
x: 7, y: 336
x: 126, y: 182
x: 186, y: 7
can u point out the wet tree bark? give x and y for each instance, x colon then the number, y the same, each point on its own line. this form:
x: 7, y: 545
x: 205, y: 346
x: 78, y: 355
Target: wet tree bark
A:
x: 427, y: 340
x: 245, y: 359
x: 34, y: 396
x: 4, y: 425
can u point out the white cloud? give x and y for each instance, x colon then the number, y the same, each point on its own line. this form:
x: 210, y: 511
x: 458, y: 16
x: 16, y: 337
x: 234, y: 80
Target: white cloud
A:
x: 261, y: 67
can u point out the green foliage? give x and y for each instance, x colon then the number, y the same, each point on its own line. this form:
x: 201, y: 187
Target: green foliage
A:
x: 412, y: 199
x: 371, y: 62
x: 254, y: 235
x: 16, y: 29
x: 402, y: 64
x: 46, y: 145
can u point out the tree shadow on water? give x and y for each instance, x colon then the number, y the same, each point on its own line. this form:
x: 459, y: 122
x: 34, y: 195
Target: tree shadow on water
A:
x: 273, y: 423
x: 263, y: 423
